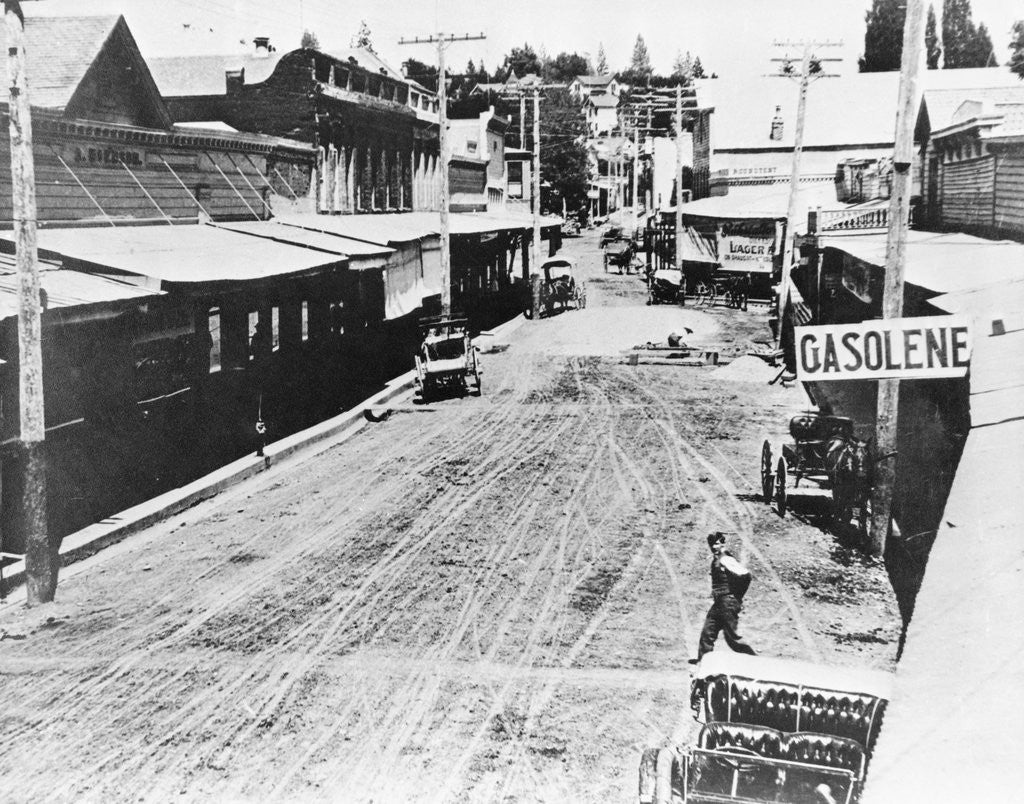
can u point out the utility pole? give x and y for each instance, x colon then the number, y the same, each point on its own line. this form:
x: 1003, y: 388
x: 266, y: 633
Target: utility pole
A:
x: 535, y: 255
x: 522, y: 121
x: 794, y: 179
x: 887, y: 406
x: 679, y: 187
x: 41, y: 561
x: 636, y: 182
x: 443, y: 40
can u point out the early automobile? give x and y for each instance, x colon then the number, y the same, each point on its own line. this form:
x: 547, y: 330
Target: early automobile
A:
x: 556, y: 287
x: 772, y: 730
x: 447, y: 360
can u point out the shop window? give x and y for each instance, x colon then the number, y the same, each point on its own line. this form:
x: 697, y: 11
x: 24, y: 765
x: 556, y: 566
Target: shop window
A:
x: 275, y: 329
x: 471, y: 146
x: 305, y: 321
x: 214, y: 329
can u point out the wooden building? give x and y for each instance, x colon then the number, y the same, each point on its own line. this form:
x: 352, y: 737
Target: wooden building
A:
x: 376, y: 132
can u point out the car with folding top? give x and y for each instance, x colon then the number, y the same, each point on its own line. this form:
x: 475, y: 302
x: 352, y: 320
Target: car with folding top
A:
x: 771, y: 730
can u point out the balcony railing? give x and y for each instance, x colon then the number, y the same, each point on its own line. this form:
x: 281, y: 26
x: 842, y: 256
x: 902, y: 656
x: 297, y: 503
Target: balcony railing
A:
x: 841, y: 220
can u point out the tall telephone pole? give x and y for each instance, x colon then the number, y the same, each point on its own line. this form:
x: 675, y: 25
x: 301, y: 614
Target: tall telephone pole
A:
x: 794, y: 179
x: 535, y: 256
x: 41, y: 561
x: 636, y: 182
x: 887, y: 406
x: 443, y: 40
x: 679, y: 186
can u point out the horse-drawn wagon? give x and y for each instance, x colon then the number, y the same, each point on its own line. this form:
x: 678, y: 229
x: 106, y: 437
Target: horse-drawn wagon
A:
x: 772, y: 730
x: 556, y: 286
x: 824, y: 451
x: 446, y: 361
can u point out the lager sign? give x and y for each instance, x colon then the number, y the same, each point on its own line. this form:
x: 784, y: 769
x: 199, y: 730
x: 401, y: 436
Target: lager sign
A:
x: 752, y: 254
x: 905, y: 348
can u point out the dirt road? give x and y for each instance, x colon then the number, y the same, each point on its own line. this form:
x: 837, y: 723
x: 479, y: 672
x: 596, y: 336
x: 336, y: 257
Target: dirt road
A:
x: 483, y: 599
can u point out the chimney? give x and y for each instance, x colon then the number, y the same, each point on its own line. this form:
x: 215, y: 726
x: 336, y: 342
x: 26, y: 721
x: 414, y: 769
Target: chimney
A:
x: 777, y: 124
x: 262, y: 46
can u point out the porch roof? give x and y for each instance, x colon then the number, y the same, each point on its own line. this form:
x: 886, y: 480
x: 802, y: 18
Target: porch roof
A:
x: 196, y: 253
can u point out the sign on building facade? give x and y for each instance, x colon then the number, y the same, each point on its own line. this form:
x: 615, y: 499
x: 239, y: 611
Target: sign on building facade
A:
x: 899, y: 348
x: 742, y: 253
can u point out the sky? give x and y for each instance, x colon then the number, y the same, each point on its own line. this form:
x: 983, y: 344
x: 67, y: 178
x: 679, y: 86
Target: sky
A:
x: 731, y: 37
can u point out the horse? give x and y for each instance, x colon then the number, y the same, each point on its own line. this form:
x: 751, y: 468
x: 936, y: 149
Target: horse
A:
x: 850, y: 465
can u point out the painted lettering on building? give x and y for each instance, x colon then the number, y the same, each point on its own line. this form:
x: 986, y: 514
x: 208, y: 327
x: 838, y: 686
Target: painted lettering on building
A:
x: 901, y: 348
x: 106, y: 156
x: 754, y: 254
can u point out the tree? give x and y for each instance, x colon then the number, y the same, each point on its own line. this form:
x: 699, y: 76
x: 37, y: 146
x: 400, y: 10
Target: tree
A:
x: 959, y: 36
x: 470, y: 68
x: 883, y: 37
x: 602, y: 60
x: 984, y: 53
x: 1017, y: 49
x: 563, y: 156
x: 682, y: 67
x: 425, y: 74
x: 565, y: 67
x: 640, y: 63
x: 931, y: 40
x: 698, y: 69
x: 521, y: 60
x: 309, y: 40
x: 363, y: 39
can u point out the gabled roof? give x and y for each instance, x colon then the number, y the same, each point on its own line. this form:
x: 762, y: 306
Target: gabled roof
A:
x: 603, y: 101
x: 61, y: 51
x: 368, y: 60
x: 940, y: 106
x: 595, y: 80
x: 857, y: 109
x: 178, y: 76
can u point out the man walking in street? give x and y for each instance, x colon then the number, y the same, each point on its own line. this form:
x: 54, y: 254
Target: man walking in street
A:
x: 729, y: 582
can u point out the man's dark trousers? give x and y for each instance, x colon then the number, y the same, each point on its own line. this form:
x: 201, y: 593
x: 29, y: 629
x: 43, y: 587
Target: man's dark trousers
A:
x: 724, y: 617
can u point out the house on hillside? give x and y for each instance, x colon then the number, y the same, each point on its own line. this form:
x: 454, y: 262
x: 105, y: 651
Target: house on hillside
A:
x: 601, y: 113
x: 583, y: 86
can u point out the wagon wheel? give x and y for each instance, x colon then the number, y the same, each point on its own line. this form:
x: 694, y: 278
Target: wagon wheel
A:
x: 864, y: 518
x: 780, y: 487
x: 767, y: 479
x: 664, y: 773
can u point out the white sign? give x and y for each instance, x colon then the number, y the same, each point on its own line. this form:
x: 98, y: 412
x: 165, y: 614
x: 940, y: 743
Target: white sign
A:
x: 752, y: 254
x: 906, y: 348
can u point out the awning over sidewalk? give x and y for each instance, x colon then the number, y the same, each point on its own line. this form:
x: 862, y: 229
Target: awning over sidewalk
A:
x: 699, y: 248
x: 940, y: 262
x: 187, y: 254
x: 361, y: 255
x: 955, y: 726
x: 64, y: 289
x: 764, y: 202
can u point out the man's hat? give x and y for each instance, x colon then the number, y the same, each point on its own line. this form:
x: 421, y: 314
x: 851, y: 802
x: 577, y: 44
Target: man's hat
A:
x: 717, y: 536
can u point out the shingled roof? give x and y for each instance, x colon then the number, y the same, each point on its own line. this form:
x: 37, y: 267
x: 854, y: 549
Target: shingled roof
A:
x: 60, y: 52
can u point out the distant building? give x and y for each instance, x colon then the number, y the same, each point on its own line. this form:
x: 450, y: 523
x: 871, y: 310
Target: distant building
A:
x: 583, y: 86
x: 601, y: 112
x: 477, y: 170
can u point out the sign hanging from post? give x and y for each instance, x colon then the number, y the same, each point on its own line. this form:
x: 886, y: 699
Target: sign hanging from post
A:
x: 754, y: 254
x: 898, y: 348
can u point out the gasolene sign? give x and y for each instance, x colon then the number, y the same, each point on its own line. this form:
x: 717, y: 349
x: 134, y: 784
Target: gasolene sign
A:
x: 904, y: 348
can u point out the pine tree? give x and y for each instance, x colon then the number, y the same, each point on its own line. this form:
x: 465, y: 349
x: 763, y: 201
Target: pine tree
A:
x: 602, y: 60
x: 470, y: 68
x: 640, y: 69
x: 931, y: 40
x: 984, y: 53
x: 1017, y: 49
x: 883, y: 37
x: 682, y: 67
x: 698, y: 69
x: 363, y: 38
x: 958, y: 34
x: 309, y: 40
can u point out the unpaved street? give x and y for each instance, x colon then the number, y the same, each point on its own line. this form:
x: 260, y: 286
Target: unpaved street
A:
x: 483, y: 599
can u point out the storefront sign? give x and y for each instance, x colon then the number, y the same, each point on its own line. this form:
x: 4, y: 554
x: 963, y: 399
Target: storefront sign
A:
x: 905, y: 348
x: 754, y: 254
x: 104, y: 156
